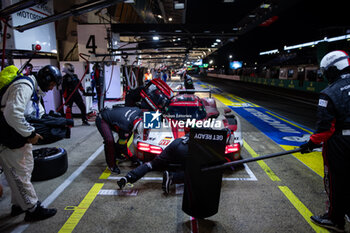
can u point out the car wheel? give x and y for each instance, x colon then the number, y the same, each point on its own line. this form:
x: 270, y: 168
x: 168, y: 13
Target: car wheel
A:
x: 49, y: 163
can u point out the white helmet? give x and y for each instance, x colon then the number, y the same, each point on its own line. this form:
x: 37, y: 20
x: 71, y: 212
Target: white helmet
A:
x: 68, y: 68
x: 333, y: 63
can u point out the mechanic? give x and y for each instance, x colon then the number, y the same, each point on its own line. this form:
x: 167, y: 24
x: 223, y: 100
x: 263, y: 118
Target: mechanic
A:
x: 70, y: 82
x: 28, y: 69
x: 333, y: 130
x: 175, y: 153
x: 172, y: 157
x: 147, y: 76
x: 124, y: 121
x: 17, y: 137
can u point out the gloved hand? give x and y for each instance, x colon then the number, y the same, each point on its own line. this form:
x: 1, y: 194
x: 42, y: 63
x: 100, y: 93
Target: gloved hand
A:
x: 308, y: 147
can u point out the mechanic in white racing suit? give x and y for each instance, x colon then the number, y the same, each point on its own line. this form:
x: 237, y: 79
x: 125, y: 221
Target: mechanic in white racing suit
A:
x: 122, y: 120
x: 17, y: 137
x: 333, y: 130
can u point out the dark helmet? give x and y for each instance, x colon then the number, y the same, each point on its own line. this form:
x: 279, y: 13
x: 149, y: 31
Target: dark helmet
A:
x: 68, y: 68
x: 49, y: 74
x: 154, y: 99
x: 188, y: 82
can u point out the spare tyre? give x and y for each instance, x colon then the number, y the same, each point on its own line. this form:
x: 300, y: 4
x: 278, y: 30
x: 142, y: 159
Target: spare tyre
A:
x: 49, y: 163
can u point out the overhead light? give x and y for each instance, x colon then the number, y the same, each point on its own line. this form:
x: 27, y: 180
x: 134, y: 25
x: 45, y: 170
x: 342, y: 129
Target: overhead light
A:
x: 179, y: 5
x: 170, y: 19
x: 230, y: 56
x: 325, y: 39
x: 155, y: 37
x: 229, y: 1
x: 251, y: 16
x: 178, y: 30
x: 159, y: 16
x: 269, y: 52
x: 218, y: 40
x: 129, y: 1
x: 235, y: 29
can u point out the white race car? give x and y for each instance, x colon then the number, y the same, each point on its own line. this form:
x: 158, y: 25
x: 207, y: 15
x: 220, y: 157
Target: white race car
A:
x: 182, y: 112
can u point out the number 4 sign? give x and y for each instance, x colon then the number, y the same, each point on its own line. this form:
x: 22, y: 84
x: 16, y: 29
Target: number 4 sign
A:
x: 92, y: 40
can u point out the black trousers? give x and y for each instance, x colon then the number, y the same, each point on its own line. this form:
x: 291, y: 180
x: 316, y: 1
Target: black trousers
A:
x: 76, y: 98
x: 336, y: 157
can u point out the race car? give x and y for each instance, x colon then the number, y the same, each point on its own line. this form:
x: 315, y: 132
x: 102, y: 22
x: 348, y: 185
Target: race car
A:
x: 183, y: 112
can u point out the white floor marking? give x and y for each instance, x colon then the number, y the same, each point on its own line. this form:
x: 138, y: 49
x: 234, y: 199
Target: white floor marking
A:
x: 63, y: 186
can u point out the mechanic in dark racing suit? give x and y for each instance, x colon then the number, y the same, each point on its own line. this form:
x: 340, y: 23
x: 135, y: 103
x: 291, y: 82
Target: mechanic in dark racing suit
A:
x: 70, y: 81
x: 175, y: 153
x: 122, y: 120
x: 333, y: 130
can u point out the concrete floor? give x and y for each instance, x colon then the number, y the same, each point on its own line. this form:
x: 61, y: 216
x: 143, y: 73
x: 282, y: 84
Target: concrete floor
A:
x: 277, y: 195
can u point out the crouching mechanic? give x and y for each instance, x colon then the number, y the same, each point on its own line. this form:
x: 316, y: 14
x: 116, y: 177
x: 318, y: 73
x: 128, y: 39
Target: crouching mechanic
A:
x: 176, y: 153
x: 333, y: 130
x: 122, y: 120
x: 17, y: 137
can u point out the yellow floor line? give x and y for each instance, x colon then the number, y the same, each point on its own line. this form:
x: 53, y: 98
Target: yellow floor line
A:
x: 242, y: 100
x: 105, y: 174
x: 80, y: 210
x: 262, y: 164
x: 302, y: 209
x: 224, y: 100
x: 312, y: 160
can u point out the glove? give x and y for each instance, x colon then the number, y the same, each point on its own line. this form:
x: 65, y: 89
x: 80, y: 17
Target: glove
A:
x: 308, y: 147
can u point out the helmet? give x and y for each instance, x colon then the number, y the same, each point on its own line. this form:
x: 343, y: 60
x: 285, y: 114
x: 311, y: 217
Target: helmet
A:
x: 68, y: 68
x: 334, y: 64
x: 188, y: 82
x: 49, y: 74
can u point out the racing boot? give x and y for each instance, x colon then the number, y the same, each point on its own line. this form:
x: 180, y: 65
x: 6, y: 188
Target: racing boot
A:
x: 167, y: 181
x: 326, y: 222
x: 40, y: 213
x: 115, y: 170
x: 134, y: 175
x: 86, y: 123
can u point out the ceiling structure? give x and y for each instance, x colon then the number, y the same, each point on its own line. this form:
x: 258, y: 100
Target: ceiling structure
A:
x: 177, y: 31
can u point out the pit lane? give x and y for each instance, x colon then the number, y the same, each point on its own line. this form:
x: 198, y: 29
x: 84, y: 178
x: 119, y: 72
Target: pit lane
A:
x: 276, y: 195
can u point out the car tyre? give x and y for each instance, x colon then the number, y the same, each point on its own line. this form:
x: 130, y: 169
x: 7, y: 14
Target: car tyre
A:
x: 49, y: 163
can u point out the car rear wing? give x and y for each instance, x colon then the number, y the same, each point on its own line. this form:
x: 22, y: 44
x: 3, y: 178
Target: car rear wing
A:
x: 192, y: 91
